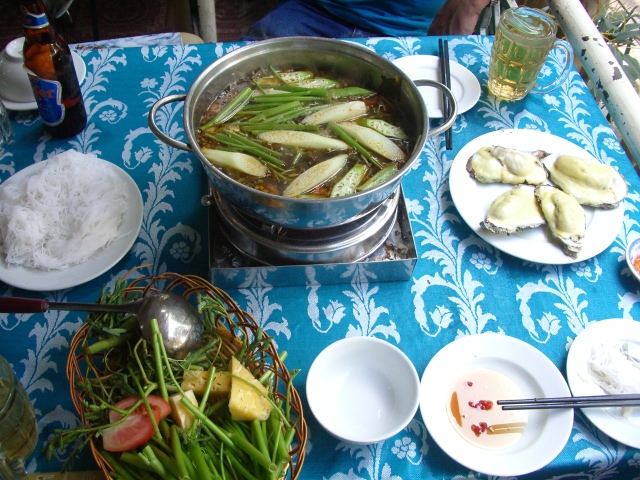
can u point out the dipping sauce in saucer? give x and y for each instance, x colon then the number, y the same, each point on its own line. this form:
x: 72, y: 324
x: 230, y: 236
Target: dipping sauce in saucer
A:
x: 477, y: 417
x: 636, y: 263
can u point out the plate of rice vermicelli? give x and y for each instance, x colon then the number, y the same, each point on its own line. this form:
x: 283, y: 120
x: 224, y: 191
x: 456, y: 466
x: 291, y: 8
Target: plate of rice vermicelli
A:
x: 65, y: 221
x: 603, y: 360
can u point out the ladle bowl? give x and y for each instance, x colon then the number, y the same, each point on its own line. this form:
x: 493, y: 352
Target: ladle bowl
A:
x: 178, y: 321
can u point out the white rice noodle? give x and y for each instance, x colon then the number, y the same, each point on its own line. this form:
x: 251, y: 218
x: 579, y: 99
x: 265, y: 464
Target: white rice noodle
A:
x: 612, y: 371
x: 61, y: 215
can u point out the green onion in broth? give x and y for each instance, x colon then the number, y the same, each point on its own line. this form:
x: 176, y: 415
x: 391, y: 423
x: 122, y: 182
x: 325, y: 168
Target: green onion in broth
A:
x: 274, y: 120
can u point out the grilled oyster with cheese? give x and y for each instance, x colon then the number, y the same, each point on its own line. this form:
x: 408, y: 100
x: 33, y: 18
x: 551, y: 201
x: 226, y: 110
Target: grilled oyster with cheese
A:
x: 590, y: 182
x: 515, y: 210
x: 498, y: 164
x: 564, y: 216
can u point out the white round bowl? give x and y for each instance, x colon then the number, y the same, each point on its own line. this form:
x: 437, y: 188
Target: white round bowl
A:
x: 363, y: 390
x: 14, y: 82
x: 633, y: 250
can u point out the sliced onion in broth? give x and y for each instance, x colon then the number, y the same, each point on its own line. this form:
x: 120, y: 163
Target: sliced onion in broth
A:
x: 315, y: 176
x: 295, y: 138
x: 237, y: 161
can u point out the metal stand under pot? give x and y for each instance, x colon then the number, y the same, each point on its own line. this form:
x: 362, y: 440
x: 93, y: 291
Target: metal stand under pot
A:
x: 241, y: 246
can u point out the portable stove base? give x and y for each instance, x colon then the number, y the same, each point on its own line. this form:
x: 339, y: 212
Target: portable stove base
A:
x: 393, y: 261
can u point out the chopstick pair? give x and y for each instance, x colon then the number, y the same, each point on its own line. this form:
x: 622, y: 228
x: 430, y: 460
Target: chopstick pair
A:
x: 621, y: 400
x: 445, y: 78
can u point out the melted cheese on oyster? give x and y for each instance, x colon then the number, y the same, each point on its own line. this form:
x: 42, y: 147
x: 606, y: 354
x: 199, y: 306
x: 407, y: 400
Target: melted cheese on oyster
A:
x: 589, y: 181
x: 564, y: 216
x: 515, y: 210
x: 498, y: 164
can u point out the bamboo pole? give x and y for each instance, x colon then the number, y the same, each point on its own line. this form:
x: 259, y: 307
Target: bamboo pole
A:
x: 207, y: 21
x: 615, y: 89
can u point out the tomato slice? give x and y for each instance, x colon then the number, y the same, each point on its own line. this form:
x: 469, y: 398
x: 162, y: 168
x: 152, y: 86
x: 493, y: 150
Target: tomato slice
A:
x: 159, y: 407
x: 137, y: 429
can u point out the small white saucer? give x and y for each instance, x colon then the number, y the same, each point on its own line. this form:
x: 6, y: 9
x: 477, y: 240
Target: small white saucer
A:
x: 81, y: 71
x: 464, y: 84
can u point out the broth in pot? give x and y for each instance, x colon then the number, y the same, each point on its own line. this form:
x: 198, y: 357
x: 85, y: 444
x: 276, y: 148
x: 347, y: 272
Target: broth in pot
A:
x: 304, y: 134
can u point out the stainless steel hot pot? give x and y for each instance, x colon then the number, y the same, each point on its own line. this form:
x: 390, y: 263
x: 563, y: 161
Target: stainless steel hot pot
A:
x: 338, y: 58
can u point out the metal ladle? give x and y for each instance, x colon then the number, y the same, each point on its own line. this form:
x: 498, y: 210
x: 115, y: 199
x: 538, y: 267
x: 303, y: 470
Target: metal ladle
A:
x: 178, y: 321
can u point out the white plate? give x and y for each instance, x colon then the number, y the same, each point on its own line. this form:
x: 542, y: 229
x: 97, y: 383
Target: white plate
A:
x: 625, y: 430
x: 464, y: 84
x: 473, y: 199
x: 43, y: 280
x: 547, y: 431
x: 81, y: 71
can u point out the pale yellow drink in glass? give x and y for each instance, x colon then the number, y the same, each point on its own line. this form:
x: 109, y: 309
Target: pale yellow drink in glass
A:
x: 18, y: 428
x: 523, y: 40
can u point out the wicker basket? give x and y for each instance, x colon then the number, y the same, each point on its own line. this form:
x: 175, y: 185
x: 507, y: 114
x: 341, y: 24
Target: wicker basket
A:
x: 239, y: 322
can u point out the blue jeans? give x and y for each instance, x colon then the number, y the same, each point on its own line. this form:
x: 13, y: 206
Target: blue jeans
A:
x: 299, y: 18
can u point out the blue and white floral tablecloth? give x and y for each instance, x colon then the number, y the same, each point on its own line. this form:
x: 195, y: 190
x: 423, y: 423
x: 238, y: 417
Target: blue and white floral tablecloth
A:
x: 459, y: 287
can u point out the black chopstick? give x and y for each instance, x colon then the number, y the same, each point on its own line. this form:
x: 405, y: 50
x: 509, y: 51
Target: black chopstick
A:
x: 445, y: 78
x: 622, y: 400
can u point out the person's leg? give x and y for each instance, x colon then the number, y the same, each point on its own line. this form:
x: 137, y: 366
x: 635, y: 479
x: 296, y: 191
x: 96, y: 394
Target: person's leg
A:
x: 299, y: 18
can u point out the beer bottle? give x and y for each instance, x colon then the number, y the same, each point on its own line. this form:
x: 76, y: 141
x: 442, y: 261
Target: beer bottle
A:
x: 49, y: 65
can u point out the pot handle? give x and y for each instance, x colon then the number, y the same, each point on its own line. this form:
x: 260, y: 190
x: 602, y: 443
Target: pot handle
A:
x: 154, y: 128
x: 452, y: 101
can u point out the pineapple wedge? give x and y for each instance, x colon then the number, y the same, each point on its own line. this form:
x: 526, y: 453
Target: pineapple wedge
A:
x: 181, y: 414
x: 196, y: 380
x: 245, y: 402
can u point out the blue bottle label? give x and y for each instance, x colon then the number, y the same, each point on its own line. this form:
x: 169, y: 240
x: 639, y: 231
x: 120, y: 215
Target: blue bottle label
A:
x: 48, y: 95
x: 33, y: 20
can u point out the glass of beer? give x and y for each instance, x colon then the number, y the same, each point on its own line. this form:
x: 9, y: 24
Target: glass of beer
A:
x: 524, y: 38
x: 18, y: 428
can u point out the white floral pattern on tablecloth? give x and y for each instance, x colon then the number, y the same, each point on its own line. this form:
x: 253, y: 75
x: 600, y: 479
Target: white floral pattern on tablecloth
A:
x: 460, y: 286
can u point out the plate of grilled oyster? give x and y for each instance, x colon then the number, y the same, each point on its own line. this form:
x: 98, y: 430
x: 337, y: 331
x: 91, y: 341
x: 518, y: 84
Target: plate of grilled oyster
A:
x: 537, y: 196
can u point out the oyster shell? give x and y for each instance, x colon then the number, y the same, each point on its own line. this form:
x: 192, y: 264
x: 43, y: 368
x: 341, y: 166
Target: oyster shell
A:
x: 498, y: 164
x: 591, y: 183
x: 515, y: 210
x: 564, y: 216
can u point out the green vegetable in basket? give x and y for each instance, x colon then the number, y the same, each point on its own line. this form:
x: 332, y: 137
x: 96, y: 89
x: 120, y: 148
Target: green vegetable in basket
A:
x: 223, y: 412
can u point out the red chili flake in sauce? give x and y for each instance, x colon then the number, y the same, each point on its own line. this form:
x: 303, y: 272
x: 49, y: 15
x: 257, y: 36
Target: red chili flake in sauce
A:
x: 482, y: 404
x: 470, y: 384
x: 480, y: 428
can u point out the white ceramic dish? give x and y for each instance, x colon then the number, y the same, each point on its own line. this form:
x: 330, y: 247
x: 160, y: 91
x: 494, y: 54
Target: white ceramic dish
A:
x: 81, y: 71
x: 464, y: 84
x: 547, y: 431
x: 363, y: 390
x: 473, y: 199
x: 623, y: 429
x: 633, y: 250
x: 14, y: 82
x: 100, y: 262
